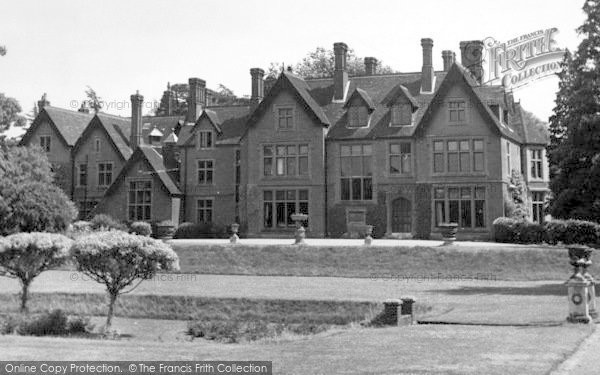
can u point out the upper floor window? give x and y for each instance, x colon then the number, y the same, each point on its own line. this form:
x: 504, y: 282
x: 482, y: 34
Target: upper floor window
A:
x: 205, y: 139
x: 358, y: 116
x: 401, y: 115
x: 356, y: 172
x: 458, y: 156
x: 457, y: 111
x: 285, y: 118
x: 105, y: 174
x: 97, y: 145
x: 45, y: 141
x: 139, y: 202
x: 205, y: 172
x: 400, y: 158
x: 83, y: 173
x: 536, y: 164
x: 285, y: 160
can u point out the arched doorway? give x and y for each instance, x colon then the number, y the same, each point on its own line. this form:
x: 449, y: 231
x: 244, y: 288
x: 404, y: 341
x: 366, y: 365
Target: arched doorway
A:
x: 401, y: 216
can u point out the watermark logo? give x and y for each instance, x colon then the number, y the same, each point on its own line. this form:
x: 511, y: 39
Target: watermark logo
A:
x: 521, y: 60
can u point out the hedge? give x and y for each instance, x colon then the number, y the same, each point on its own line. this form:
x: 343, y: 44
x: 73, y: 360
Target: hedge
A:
x: 553, y: 232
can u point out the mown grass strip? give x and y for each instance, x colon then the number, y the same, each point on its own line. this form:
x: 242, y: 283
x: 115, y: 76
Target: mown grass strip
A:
x: 515, y: 264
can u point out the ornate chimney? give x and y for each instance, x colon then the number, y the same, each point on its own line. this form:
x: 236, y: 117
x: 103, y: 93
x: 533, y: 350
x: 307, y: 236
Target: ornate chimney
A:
x: 370, y: 66
x: 136, y: 138
x: 340, y: 73
x: 258, y: 86
x: 427, y: 74
x: 196, y: 98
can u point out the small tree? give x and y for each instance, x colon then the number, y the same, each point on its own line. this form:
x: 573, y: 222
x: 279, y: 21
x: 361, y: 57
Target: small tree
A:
x: 118, y: 259
x: 25, y: 255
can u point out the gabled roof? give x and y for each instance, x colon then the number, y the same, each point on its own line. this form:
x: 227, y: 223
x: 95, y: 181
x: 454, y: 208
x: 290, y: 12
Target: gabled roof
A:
x: 117, y: 129
x: 480, y: 95
x: 379, y: 89
x: 69, y: 125
x: 155, y: 162
x: 363, y: 96
x: 397, y: 92
x: 228, y: 121
x: 300, y: 89
x: 166, y: 125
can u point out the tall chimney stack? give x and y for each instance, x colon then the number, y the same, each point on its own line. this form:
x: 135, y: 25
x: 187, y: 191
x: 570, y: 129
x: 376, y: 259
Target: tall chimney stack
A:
x: 43, y: 102
x: 471, y: 55
x: 427, y: 74
x: 448, y: 58
x: 196, y: 98
x: 258, y: 86
x: 370, y: 66
x: 340, y: 73
x: 135, y: 139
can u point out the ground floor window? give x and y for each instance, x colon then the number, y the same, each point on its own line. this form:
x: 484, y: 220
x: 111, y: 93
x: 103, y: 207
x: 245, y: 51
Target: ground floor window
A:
x: 85, y: 209
x: 537, y: 206
x: 204, y: 210
x: 280, y: 205
x: 464, y: 205
x: 140, y: 200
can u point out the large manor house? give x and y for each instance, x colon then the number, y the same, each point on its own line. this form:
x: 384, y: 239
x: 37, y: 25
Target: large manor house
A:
x: 404, y: 152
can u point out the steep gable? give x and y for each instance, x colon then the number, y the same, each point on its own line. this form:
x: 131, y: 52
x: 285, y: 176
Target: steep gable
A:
x: 69, y: 125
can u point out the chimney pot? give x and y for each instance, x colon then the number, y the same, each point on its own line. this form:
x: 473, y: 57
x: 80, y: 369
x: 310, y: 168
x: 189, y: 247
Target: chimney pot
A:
x: 448, y: 59
x: 340, y: 73
x: 196, y: 98
x: 258, y: 86
x: 427, y: 73
x: 136, y: 138
x: 43, y: 102
x: 370, y: 66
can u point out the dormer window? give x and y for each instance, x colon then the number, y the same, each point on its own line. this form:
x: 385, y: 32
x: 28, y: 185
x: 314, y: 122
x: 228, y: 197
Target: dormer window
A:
x: 401, y: 114
x: 358, y: 117
x: 155, y: 136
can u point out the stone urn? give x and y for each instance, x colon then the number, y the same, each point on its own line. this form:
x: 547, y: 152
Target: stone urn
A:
x: 368, y: 234
x: 165, y: 230
x: 235, y: 227
x: 449, y: 232
x: 581, y: 283
x: 300, y: 233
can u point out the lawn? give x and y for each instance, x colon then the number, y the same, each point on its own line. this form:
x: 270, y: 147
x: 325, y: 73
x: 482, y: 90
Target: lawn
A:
x: 412, y: 349
x: 497, y: 262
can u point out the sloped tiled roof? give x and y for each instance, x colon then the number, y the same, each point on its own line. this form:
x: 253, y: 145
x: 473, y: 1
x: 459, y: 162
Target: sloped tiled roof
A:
x: 229, y: 121
x: 364, y: 96
x: 378, y: 88
x: 535, y: 131
x: 155, y: 161
x: 69, y: 124
x: 118, y: 129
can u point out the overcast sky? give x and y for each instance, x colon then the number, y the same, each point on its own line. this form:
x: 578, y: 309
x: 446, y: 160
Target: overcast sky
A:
x: 118, y: 47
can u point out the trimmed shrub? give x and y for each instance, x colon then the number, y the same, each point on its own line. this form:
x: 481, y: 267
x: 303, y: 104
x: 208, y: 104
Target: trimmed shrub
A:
x: 581, y: 232
x: 504, y: 229
x: 140, y: 228
x: 79, y: 325
x: 555, y: 231
x: 191, y: 230
x: 528, y: 232
x: 102, y: 222
x: 24, y: 256
x: 53, y: 323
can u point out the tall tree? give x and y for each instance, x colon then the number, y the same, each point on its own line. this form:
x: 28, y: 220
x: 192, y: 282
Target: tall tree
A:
x: 574, y: 150
x: 94, y: 101
x: 320, y: 63
x: 9, y: 112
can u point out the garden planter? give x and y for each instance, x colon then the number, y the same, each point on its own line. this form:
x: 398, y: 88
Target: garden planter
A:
x: 165, y: 230
x: 449, y: 231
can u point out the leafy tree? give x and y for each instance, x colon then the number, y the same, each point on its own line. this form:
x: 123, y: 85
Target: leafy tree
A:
x: 574, y: 150
x: 320, y: 64
x: 29, y: 201
x: 93, y: 100
x: 25, y: 255
x: 9, y: 113
x: 118, y: 259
